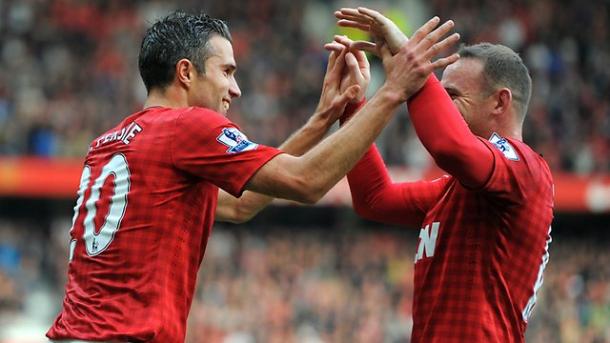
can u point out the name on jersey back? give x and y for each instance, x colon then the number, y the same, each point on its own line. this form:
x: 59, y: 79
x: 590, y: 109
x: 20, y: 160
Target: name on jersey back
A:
x: 124, y: 135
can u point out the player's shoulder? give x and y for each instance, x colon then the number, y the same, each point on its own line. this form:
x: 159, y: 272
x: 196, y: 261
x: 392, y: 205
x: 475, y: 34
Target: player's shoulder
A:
x: 520, y: 156
x: 202, y: 115
x: 513, y: 149
x: 128, y: 127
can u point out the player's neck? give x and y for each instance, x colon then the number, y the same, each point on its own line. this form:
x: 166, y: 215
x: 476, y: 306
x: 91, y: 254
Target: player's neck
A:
x: 508, y: 132
x: 164, y: 98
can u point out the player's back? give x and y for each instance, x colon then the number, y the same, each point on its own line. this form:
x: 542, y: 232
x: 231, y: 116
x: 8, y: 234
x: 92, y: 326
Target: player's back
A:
x: 139, y: 233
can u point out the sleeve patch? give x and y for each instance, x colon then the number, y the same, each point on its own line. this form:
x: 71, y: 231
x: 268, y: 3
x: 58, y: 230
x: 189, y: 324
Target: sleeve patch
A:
x: 235, y: 140
x: 504, y: 146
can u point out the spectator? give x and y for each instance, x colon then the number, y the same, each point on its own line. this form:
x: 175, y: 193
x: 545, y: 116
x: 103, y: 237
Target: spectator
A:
x: 51, y: 49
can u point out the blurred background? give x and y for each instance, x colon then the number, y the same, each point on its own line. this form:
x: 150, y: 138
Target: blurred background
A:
x: 68, y: 72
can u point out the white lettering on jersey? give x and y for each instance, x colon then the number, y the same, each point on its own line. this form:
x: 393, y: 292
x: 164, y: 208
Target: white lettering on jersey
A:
x: 427, y: 241
x: 124, y: 135
x: 504, y: 146
x: 235, y: 140
x: 527, y: 311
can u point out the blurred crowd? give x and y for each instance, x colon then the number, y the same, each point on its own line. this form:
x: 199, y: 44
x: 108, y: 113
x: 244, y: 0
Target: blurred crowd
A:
x: 68, y: 69
x: 351, y: 283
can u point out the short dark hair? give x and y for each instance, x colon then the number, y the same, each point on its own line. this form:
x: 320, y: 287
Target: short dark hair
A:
x: 172, y: 38
x: 502, y: 67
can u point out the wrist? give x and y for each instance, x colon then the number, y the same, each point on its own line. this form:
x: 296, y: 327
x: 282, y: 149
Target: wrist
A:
x: 354, y: 106
x: 351, y: 109
x: 392, y: 94
x: 430, y: 81
x: 321, y: 119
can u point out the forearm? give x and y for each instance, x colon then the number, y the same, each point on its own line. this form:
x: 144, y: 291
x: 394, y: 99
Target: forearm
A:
x: 376, y: 197
x: 244, y: 208
x: 327, y: 163
x: 308, y: 136
x: 445, y: 134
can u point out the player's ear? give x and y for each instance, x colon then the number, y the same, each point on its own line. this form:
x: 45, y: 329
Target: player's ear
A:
x: 503, y: 100
x: 185, y: 72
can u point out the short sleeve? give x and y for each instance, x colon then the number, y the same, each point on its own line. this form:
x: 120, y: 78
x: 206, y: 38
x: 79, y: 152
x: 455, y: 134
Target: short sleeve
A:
x: 208, y: 145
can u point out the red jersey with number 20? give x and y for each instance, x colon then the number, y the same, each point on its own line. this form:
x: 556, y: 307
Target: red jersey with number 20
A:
x: 145, y: 210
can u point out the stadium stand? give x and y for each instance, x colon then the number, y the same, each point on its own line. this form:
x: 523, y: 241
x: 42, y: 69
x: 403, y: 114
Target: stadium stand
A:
x: 67, y: 73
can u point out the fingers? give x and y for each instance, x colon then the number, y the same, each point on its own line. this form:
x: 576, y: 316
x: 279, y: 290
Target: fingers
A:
x: 337, y: 68
x: 334, y: 47
x: 365, y: 46
x: 381, y: 27
x: 352, y: 14
x: 350, y: 60
x: 385, y: 52
x: 355, y: 46
x: 350, y: 94
x: 350, y: 17
x: 435, y: 35
x: 373, y: 15
x: 354, y: 24
x: 363, y: 62
x: 343, y: 40
x: 442, y: 45
x: 332, y: 58
x: 425, y: 29
x: 356, y: 59
x: 443, y: 62
x: 353, y: 66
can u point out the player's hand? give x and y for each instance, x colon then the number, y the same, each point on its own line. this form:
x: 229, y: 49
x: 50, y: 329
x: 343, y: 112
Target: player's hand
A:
x: 389, y: 41
x: 335, y: 93
x: 382, y: 29
x: 357, y: 71
x: 408, y: 70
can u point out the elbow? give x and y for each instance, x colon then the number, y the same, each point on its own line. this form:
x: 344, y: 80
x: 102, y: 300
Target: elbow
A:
x: 444, y: 159
x: 308, y: 191
x: 442, y: 149
x: 445, y: 154
x: 451, y: 151
x: 360, y: 210
x: 364, y: 211
x: 240, y: 212
x: 310, y: 196
x: 239, y: 216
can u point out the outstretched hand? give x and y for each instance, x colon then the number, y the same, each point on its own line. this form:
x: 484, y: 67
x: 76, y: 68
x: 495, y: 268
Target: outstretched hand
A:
x: 347, y: 77
x: 383, y: 31
x: 357, y: 71
x: 407, y: 62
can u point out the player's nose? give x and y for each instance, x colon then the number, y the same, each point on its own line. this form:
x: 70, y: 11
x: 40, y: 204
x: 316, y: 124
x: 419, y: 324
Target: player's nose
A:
x: 234, y: 90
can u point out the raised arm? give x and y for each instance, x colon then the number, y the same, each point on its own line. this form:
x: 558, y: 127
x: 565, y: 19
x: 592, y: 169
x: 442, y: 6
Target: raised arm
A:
x: 337, y: 98
x: 444, y: 133
x: 438, y: 123
x: 376, y: 197
x: 309, y: 177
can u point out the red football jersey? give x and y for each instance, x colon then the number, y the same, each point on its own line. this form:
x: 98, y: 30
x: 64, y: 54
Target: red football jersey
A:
x: 481, y: 253
x: 145, y: 210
